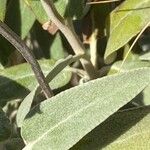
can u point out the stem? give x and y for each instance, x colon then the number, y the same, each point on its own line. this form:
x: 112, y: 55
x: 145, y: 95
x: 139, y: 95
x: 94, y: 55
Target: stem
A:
x: 103, y: 2
x: 70, y: 35
x: 134, y: 42
x: 15, y: 40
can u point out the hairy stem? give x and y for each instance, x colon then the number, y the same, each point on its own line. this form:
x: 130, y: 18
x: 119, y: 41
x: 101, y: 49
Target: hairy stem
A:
x: 15, y: 40
x: 71, y: 36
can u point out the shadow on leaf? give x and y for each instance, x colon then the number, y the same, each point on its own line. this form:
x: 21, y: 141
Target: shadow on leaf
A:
x: 111, y: 129
x: 10, y: 90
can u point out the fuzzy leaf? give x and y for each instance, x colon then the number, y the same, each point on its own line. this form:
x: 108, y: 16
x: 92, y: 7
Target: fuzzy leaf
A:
x: 16, y: 82
x: 27, y: 102
x: 61, y: 121
x: 128, y: 65
x: 144, y: 97
x: 124, y: 130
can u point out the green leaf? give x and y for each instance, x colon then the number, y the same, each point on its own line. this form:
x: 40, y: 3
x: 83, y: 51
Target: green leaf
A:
x: 145, y: 56
x: 2, y: 9
x: 71, y: 8
x: 57, y: 48
x: 61, y: 121
x: 25, y: 107
x: 22, y: 18
x: 27, y: 102
x: 5, y: 128
x: 16, y: 82
x: 125, y: 22
x: 132, y: 56
x: 126, y: 130
x: 37, y: 9
x: 27, y: 19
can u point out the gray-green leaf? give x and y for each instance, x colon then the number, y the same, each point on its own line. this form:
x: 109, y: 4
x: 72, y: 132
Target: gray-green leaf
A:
x: 71, y: 8
x: 144, y: 97
x: 128, y: 65
x: 16, y: 82
x: 60, y: 122
x: 126, y: 130
x: 27, y: 102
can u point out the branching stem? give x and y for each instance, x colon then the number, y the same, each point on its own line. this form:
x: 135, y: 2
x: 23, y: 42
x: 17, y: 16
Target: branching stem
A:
x: 71, y: 36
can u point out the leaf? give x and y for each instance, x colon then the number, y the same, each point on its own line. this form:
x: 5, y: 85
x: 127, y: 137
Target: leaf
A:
x: 27, y: 19
x: 125, y: 22
x: 130, y: 56
x: 61, y: 64
x: 57, y: 49
x: 5, y: 48
x: 25, y: 106
x: 16, y: 82
x: 38, y: 10
x: 144, y: 97
x: 145, y: 56
x: 126, y: 130
x: 71, y: 8
x: 22, y: 18
x: 2, y: 9
x: 61, y: 121
x: 128, y: 65
x: 5, y: 128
